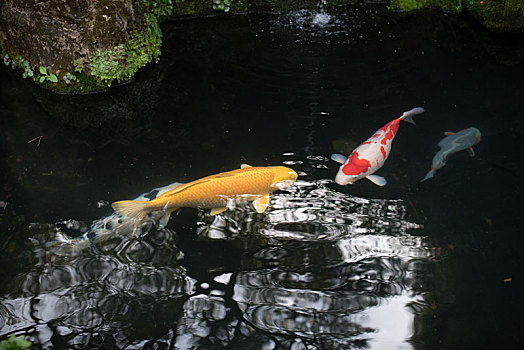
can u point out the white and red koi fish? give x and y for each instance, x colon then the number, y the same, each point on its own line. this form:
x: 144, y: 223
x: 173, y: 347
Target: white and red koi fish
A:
x: 452, y: 143
x: 371, y: 154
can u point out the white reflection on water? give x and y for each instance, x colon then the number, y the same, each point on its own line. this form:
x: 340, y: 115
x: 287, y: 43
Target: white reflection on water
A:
x: 94, y: 293
x: 337, y: 271
x: 311, y: 211
x: 319, y: 269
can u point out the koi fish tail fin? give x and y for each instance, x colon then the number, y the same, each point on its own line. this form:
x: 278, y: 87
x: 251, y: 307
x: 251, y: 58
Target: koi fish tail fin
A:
x: 408, y: 116
x: 429, y: 175
x: 136, y: 210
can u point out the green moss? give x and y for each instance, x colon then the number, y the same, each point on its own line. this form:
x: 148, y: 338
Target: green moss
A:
x: 103, y: 68
x: 405, y: 5
x: 500, y: 15
x: 184, y: 8
x: 240, y: 5
x: 123, y: 61
x: 409, y: 5
x: 160, y: 7
x: 15, y: 343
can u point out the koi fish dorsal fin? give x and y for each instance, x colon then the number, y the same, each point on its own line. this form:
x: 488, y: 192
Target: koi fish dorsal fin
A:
x: 448, y: 133
x: 216, y: 211
x: 222, y: 175
x: 243, y: 166
x: 188, y: 185
x: 260, y: 203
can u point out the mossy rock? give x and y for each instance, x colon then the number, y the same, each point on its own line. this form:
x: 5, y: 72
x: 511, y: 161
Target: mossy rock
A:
x: 80, y: 46
x: 409, y: 5
x: 497, y: 15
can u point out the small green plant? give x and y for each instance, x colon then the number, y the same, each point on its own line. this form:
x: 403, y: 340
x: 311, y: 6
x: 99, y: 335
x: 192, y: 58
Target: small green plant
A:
x: 78, y: 64
x: 222, y: 5
x: 26, y: 66
x: 15, y: 343
x: 45, y: 76
x: 69, y: 77
x: 19, y: 62
x: 160, y: 7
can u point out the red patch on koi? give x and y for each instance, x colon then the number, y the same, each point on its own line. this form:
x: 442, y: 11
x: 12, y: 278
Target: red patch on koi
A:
x: 391, y: 133
x: 355, y: 165
x: 383, y: 151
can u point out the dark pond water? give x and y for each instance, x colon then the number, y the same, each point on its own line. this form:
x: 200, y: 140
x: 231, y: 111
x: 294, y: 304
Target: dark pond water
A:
x: 431, y: 265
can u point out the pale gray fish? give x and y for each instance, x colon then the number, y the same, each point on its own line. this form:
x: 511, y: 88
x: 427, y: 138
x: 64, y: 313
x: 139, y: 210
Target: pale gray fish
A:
x: 453, y: 142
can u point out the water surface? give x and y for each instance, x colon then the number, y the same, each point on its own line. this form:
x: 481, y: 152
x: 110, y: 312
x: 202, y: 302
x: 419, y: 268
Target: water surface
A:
x: 410, y: 265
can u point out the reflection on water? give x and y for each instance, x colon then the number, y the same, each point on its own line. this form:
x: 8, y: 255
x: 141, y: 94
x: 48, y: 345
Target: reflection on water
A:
x: 312, y: 211
x: 103, y: 292
x: 338, y: 271
x: 320, y: 269
x: 110, y: 227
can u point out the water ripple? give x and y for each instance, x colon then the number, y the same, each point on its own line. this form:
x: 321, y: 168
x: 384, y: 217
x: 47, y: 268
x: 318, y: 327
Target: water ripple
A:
x: 97, y: 290
x: 311, y: 211
x: 323, y: 269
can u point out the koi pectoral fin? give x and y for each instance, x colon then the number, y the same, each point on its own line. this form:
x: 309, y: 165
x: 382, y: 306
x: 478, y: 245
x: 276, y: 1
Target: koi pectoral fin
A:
x: 216, y: 211
x: 261, y: 203
x: 162, y: 223
x: 471, y: 152
x: 377, y: 180
x: 339, y: 158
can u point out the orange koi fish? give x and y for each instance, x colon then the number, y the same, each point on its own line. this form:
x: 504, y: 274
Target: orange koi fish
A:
x: 215, y: 192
